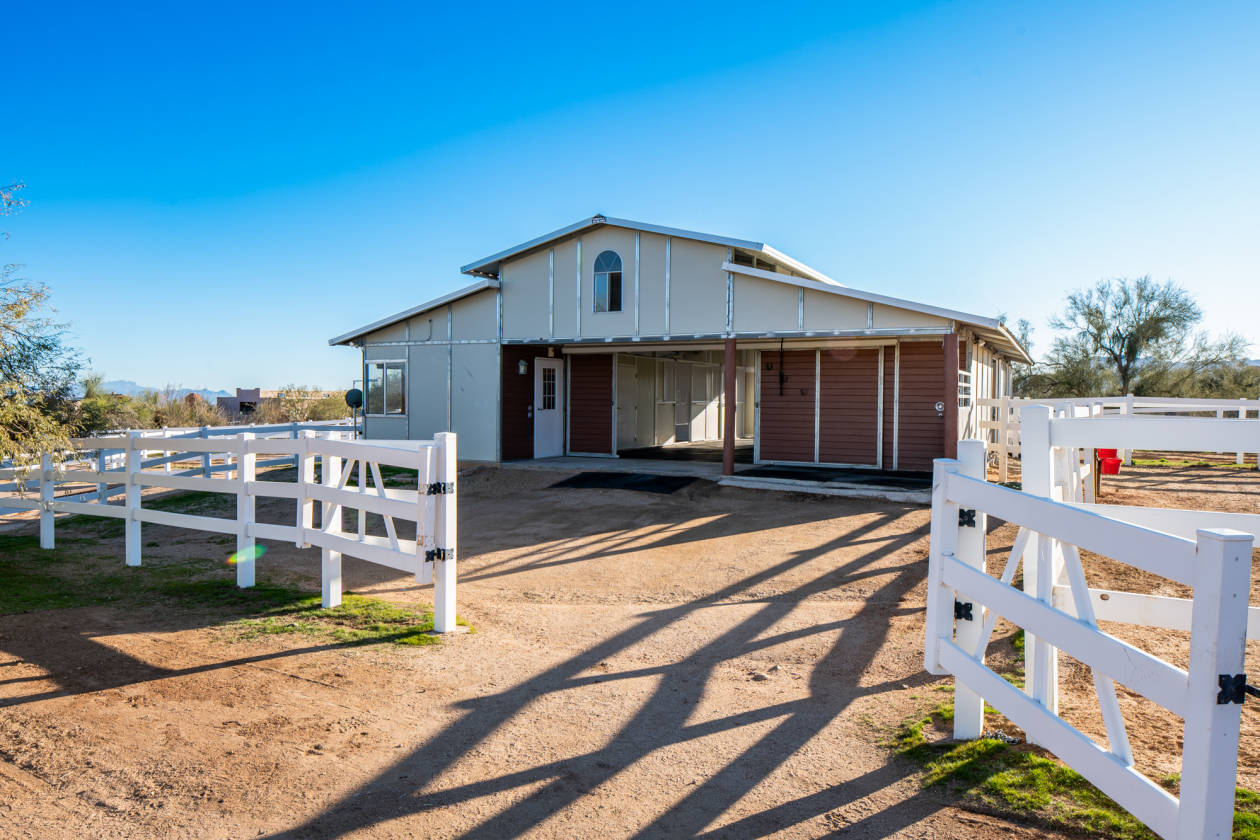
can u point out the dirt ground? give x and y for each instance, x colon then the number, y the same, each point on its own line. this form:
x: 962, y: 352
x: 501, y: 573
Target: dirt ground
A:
x: 712, y: 662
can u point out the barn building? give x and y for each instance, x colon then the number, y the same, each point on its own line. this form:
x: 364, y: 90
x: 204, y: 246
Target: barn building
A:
x: 610, y: 337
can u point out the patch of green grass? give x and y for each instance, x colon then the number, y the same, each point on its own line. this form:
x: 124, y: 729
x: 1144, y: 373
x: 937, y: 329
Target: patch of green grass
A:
x: 359, y: 619
x: 1017, y: 641
x: 69, y: 576
x: 1189, y: 462
x: 992, y: 776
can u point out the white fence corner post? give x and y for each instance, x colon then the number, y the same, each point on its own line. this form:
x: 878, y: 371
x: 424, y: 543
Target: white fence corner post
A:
x: 943, y: 542
x: 1126, y: 407
x: 330, y: 523
x: 245, y: 511
x: 1218, y: 638
x: 47, y: 519
x: 166, y: 453
x: 135, y: 462
x: 293, y: 433
x: 445, y: 537
x: 205, y: 456
x: 970, y: 549
x: 1037, y: 466
x: 305, y: 477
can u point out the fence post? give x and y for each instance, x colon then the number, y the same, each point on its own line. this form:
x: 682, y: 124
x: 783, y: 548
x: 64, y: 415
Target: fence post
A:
x: 1126, y: 407
x: 244, y: 512
x: 445, y: 535
x: 969, y: 706
x: 1242, y: 415
x: 135, y: 463
x: 205, y: 456
x: 166, y: 453
x: 1004, y: 437
x: 1218, y: 637
x: 1037, y: 463
x: 102, y: 489
x: 330, y: 523
x: 47, y: 518
x: 943, y: 542
x: 305, y: 477
x: 293, y: 433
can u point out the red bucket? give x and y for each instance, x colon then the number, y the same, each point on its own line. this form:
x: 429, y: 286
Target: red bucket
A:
x: 1109, y: 466
x: 1105, y: 453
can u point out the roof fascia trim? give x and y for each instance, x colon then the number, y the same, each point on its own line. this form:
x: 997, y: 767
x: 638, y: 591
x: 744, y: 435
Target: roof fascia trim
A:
x: 479, y: 286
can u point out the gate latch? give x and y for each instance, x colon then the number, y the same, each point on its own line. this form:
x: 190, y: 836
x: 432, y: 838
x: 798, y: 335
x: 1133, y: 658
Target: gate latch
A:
x: 967, y: 517
x: 1234, y: 689
x: 441, y: 488
x: 442, y: 554
x: 962, y: 610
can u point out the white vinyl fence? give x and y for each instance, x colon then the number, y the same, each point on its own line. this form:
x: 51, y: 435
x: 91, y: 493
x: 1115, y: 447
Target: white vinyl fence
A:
x: 997, y: 420
x: 964, y: 602
x: 431, y: 506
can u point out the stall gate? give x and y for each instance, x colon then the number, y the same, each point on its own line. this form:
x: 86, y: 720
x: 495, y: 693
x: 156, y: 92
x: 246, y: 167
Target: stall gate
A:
x: 964, y: 603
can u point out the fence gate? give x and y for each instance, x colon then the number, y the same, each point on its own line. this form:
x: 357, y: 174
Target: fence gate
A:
x: 964, y: 602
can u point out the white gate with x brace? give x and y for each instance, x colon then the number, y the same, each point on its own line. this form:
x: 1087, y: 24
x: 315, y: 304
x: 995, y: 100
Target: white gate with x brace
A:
x: 964, y: 603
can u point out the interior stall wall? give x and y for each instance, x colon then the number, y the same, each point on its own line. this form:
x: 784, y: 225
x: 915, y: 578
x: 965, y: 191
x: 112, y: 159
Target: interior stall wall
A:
x: 645, y: 401
x: 591, y: 404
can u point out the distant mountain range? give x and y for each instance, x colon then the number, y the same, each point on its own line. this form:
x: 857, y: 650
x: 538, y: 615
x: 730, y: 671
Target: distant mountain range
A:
x: 132, y: 389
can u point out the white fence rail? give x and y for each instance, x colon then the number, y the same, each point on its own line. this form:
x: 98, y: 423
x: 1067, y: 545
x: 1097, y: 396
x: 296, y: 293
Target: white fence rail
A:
x: 964, y: 602
x: 999, y: 423
x: 431, y: 506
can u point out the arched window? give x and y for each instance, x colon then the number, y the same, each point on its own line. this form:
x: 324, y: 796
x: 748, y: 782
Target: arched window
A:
x: 608, y: 282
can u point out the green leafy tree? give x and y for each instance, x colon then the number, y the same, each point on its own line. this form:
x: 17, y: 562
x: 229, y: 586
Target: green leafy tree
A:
x: 38, y: 372
x: 1133, y: 336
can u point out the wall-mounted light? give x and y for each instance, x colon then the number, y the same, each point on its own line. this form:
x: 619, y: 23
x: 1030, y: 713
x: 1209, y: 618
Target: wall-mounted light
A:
x: 522, y: 367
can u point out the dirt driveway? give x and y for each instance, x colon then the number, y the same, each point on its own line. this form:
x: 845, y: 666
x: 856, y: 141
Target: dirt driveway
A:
x: 710, y: 662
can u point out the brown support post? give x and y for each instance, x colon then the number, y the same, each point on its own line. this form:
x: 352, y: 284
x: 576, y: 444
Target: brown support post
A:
x: 951, y: 395
x: 728, y: 411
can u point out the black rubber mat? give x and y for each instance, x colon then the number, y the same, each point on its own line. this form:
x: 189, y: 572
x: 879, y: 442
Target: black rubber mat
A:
x: 643, y: 482
x: 824, y: 475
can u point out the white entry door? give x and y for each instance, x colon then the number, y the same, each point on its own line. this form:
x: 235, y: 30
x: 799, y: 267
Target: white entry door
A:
x: 548, y: 408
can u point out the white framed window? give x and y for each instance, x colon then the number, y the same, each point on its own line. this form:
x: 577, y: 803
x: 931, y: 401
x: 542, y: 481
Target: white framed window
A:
x: 608, y: 282
x: 386, y: 387
x: 549, y: 389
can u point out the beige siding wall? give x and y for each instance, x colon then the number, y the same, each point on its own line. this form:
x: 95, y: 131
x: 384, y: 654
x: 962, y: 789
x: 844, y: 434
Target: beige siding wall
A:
x: 525, y: 295
x: 764, y: 305
x: 825, y: 311
x: 697, y: 288
x: 426, y: 390
x: 605, y: 324
x: 566, y: 289
x: 651, y: 284
x: 890, y: 317
x: 475, y: 400
x: 475, y: 317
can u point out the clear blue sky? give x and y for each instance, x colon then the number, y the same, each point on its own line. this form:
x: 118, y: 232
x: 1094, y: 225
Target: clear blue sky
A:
x: 217, y: 189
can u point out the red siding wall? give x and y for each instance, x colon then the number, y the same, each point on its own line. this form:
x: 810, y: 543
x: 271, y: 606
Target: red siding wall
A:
x: 921, y: 429
x: 848, y: 411
x: 590, y: 404
x: 890, y: 380
x: 516, y: 396
x: 787, y: 419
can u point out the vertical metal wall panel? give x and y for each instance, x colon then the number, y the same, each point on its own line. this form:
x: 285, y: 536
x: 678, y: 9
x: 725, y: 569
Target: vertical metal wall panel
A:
x: 921, y: 427
x: 848, y: 418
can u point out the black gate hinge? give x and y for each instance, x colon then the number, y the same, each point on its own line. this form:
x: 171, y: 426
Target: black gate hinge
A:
x: 1234, y: 689
x: 443, y: 554
x: 962, y: 610
x: 441, y: 488
x: 966, y: 517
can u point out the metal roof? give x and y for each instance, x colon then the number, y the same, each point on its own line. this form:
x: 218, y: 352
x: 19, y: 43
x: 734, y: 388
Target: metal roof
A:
x: 480, y: 285
x: 489, y: 266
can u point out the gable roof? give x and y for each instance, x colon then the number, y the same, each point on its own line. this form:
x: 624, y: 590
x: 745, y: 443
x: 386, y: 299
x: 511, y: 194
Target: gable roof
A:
x: 467, y: 291
x: 489, y: 266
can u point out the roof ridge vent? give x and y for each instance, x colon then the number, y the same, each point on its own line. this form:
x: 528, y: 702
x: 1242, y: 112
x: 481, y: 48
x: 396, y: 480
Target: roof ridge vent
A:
x: 598, y: 219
